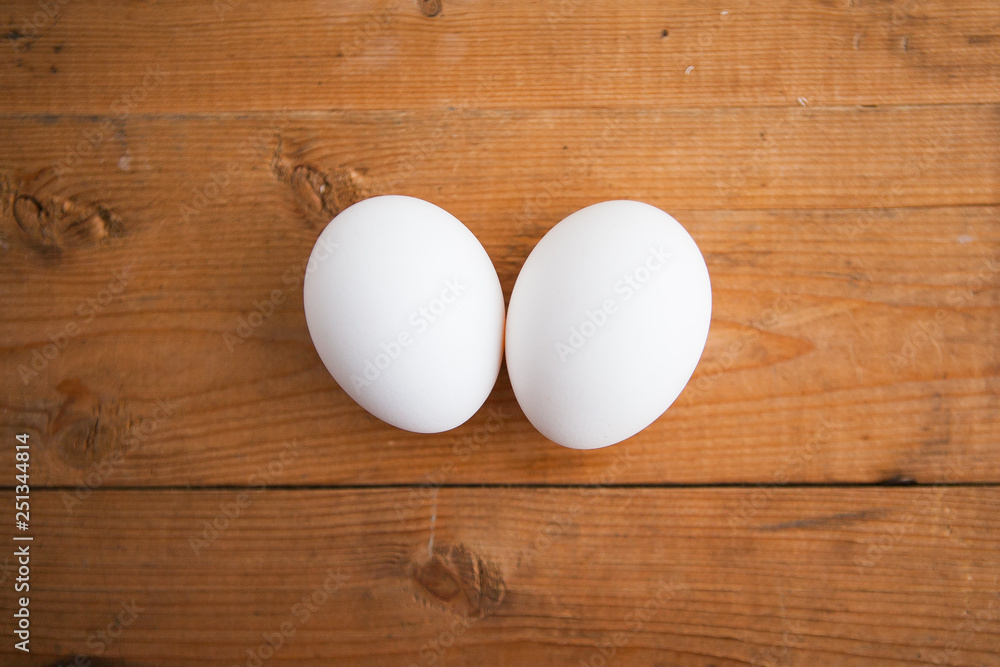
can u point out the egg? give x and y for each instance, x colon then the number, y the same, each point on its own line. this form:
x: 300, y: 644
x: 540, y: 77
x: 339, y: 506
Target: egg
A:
x: 606, y: 323
x: 405, y: 310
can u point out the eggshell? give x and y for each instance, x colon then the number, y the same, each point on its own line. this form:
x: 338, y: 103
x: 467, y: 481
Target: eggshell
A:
x: 405, y: 310
x: 607, y: 321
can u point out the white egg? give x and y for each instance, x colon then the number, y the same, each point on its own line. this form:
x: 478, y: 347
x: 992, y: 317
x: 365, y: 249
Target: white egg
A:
x: 607, y: 321
x: 405, y: 309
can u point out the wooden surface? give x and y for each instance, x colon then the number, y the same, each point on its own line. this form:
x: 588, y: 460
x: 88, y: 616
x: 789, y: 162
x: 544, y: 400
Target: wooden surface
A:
x: 166, y: 167
x: 525, y: 576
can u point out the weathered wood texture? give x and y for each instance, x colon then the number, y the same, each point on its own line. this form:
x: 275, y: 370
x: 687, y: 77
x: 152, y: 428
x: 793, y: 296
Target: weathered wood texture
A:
x: 239, y: 55
x: 856, y: 298
x: 520, y: 576
x: 166, y: 167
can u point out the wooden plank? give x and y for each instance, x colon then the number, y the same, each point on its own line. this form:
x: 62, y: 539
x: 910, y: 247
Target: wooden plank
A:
x: 852, y: 576
x: 694, y: 159
x: 236, y: 55
x: 204, y: 494
x: 834, y: 329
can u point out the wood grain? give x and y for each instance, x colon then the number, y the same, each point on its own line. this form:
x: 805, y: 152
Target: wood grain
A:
x: 519, y: 576
x: 239, y: 55
x: 204, y: 494
x: 854, y: 298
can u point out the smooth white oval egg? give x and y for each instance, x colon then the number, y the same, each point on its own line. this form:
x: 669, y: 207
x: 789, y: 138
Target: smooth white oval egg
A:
x: 607, y: 321
x: 405, y: 309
